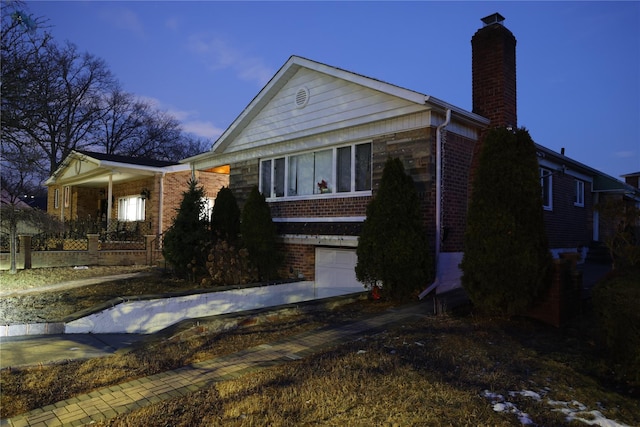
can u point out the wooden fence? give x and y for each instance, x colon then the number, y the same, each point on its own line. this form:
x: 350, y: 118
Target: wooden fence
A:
x: 93, y: 251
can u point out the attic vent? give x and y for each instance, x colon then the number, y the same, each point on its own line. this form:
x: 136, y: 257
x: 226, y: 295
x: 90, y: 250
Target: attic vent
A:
x: 302, y: 97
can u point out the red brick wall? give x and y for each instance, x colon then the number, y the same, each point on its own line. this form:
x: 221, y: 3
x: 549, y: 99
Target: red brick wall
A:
x: 493, y: 66
x: 456, y: 164
x: 329, y: 207
x: 175, y: 184
x: 569, y: 226
x: 298, y: 259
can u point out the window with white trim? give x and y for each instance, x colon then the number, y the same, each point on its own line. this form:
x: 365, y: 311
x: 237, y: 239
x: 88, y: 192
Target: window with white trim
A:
x: 344, y: 169
x: 56, y: 198
x: 579, y: 193
x: 546, y: 184
x: 131, y: 208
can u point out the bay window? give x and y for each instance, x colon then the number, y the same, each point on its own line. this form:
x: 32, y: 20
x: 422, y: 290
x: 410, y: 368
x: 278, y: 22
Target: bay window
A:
x: 334, y: 170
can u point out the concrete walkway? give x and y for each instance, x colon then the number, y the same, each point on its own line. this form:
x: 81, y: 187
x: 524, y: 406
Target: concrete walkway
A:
x: 112, y: 401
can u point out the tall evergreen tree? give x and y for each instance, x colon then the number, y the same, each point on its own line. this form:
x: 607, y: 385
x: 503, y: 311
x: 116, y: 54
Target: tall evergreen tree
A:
x: 185, y: 241
x: 392, y: 248
x: 259, y: 235
x: 506, y: 262
x: 225, y: 217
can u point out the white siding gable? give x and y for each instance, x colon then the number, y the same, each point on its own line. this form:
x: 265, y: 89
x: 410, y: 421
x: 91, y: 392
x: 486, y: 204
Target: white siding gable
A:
x: 333, y: 104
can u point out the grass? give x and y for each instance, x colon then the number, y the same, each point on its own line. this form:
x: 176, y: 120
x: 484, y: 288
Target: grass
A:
x: 433, y: 371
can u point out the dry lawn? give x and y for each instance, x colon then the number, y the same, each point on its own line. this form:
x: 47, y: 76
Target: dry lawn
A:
x: 436, y: 371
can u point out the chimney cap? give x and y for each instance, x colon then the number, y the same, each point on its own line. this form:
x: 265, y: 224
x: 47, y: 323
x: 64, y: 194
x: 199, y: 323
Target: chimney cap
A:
x: 496, y: 18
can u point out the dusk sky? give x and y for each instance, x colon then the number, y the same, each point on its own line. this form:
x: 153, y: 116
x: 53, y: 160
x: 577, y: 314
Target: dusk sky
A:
x: 578, y: 63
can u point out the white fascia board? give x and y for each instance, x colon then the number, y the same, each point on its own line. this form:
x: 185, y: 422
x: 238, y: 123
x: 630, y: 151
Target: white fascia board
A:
x: 105, y: 164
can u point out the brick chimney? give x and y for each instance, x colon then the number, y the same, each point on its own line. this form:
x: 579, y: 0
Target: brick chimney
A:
x: 493, y: 67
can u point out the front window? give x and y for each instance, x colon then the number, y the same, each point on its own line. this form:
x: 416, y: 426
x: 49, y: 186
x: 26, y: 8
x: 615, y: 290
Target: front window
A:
x: 546, y: 184
x: 579, y: 193
x: 335, y: 170
x: 131, y: 208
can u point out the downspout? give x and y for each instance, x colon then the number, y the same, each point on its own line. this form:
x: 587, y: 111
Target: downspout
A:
x: 161, y: 203
x: 109, y: 200
x: 439, y: 129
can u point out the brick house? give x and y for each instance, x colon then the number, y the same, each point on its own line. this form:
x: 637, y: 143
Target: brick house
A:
x: 316, y: 137
x: 102, y: 188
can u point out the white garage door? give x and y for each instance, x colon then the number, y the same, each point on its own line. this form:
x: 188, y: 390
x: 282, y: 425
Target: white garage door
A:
x: 335, y: 271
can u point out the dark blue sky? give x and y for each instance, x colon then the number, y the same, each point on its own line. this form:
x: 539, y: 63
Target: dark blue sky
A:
x: 578, y: 62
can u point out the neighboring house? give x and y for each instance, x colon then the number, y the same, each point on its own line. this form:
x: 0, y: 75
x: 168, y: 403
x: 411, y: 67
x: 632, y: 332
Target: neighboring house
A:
x: 571, y: 193
x: 106, y: 188
x: 316, y: 137
x: 9, y: 202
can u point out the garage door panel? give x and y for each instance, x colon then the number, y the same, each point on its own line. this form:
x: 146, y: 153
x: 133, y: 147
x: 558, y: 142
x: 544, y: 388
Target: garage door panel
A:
x: 335, y: 268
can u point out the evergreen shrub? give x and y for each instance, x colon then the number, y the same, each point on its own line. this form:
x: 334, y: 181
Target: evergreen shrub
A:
x: 506, y: 264
x: 393, y: 254
x: 185, y: 241
x: 259, y: 236
x: 225, y: 217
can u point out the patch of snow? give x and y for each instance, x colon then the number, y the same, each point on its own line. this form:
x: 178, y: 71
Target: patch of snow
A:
x: 573, y: 410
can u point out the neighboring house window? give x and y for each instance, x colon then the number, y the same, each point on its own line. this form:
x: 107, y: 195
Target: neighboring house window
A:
x: 56, y: 198
x: 547, y: 192
x: 579, y: 196
x: 335, y: 170
x: 67, y: 195
x: 207, y: 205
x: 131, y: 208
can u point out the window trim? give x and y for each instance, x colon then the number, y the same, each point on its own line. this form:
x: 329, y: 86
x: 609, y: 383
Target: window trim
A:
x: 579, y: 193
x: 139, y: 210
x: 548, y: 175
x: 56, y: 198
x: 334, y: 174
x: 67, y: 196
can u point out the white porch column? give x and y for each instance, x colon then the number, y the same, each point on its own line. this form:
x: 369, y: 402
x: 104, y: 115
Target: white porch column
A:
x: 109, y: 199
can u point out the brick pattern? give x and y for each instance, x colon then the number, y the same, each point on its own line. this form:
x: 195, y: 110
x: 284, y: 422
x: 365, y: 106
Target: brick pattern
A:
x: 298, y: 259
x: 562, y: 299
x: 85, y: 203
x: 493, y: 65
x: 569, y: 226
x: 176, y: 184
x: 243, y: 177
x: 322, y: 208
x: 457, y: 158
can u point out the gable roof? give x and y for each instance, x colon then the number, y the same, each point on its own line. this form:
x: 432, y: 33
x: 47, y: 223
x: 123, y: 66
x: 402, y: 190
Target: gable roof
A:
x: 602, y: 182
x: 91, y: 169
x: 294, y: 65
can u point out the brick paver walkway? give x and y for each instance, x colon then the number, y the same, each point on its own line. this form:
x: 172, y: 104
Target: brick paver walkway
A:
x: 119, y: 399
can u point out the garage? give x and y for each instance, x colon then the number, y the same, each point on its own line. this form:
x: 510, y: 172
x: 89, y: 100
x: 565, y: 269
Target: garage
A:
x: 335, y: 271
